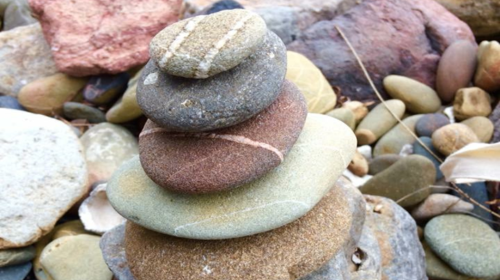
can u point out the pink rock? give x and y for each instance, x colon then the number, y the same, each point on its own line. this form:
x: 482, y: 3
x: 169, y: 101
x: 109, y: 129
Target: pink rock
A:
x: 102, y: 36
x: 402, y: 37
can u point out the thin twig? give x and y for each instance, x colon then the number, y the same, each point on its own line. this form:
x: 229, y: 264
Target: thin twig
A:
x: 456, y: 188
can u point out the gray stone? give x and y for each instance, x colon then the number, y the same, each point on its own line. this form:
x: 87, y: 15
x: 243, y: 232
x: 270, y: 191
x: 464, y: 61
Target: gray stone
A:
x: 420, y: 150
x: 394, y: 140
x: 204, y: 46
x: 15, y: 256
x: 10, y: 102
x: 382, y: 162
x: 27, y: 45
x: 465, y: 243
x: 126, y: 108
x: 437, y: 269
x: 479, y: 193
x: 103, y: 89
x: 43, y: 171
x: 192, y: 105
x: 106, y: 147
x: 113, y: 251
x: 320, y: 155
x: 75, y: 110
x: 406, y: 180
x: 17, y: 272
x: 17, y: 13
x: 396, y: 232
x: 281, y: 20
x: 429, y: 123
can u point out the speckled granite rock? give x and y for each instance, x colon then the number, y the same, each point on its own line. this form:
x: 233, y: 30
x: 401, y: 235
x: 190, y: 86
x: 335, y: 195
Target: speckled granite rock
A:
x: 25, y: 56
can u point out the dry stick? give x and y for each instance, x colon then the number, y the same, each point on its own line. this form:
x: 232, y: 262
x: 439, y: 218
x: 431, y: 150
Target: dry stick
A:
x: 457, y: 189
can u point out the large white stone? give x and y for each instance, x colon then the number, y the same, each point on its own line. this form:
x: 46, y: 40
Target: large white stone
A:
x: 42, y: 174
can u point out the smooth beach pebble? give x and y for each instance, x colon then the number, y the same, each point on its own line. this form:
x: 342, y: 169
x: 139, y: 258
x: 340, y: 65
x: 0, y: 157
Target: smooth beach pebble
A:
x: 429, y: 123
x: 286, y: 253
x: 379, y: 121
x: 467, y: 244
x: 382, y: 162
x: 487, y: 75
x: 344, y: 115
x: 194, y: 105
x: 409, y: 175
x: 482, y: 127
x: 203, y: 46
x: 75, y: 110
x: 225, y: 158
x: 451, y: 138
x: 418, y: 98
x: 394, y: 140
x: 324, y: 149
x: 308, y: 78
x: 456, y: 69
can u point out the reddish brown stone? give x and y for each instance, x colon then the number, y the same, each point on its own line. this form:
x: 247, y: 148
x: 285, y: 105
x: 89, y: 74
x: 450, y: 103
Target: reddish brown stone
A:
x: 226, y: 158
x: 456, y: 69
x: 102, y: 36
x: 402, y: 37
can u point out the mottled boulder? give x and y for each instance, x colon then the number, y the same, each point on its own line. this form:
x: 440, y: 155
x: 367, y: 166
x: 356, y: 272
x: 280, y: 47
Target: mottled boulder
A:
x: 94, y: 37
x: 422, y: 29
x: 396, y: 232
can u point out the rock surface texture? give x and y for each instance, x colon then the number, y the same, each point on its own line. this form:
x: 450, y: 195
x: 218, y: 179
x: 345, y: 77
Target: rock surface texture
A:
x: 94, y: 37
x: 422, y: 28
x: 51, y: 154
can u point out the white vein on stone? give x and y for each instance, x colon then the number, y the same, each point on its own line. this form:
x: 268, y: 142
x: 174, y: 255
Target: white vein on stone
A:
x: 206, y: 62
x: 233, y: 138
x: 296, y: 202
x: 181, y: 37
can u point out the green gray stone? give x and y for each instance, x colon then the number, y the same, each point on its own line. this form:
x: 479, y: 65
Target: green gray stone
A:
x: 15, y: 256
x: 409, y: 175
x: 17, y: 13
x: 418, y: 97
x: 126, y: 108
x: 382, y: 162
x: 438, y: 269
x: 394, y: 140
x: 75, y: 110
x: 344, y: 115
x: 465, y: 243
x: 320, y: 155
x: 379, y: 121
x: 15, y: 272
x: 106, y: 147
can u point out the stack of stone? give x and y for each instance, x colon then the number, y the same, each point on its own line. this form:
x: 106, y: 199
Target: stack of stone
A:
x: 231, y: 164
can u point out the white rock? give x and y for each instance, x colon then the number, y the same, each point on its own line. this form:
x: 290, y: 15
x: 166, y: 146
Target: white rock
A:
x: 96, y: 212
x: 43, y: 173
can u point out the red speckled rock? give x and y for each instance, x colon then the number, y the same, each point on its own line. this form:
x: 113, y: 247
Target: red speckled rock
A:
x: 402, y: 37
x: 102, y: 36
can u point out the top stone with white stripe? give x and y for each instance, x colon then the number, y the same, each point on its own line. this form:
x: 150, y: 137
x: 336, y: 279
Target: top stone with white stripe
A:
x: 203, y: 46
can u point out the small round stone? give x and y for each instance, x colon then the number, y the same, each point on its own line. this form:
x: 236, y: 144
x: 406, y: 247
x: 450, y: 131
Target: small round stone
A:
x: 344, y: 115
x: 203, y: 46
x: 382, y: 162
x: 10, y: 102
x: 418, y: 98
x: 487, y: 75
x: 451, y: 138
x: 225, y: 158
x: 429, y: 123
x: 407, y: 180
x: 75, y: 110
x: 393, y: 141
x: 456, y: 69
x: 482, y: 127
x: 471, y: 102
x: 379, y: 121
x: 103, y: 89
x: 194, y: 105
x: 467, y: 244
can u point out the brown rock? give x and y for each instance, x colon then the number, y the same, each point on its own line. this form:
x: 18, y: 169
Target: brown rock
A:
x: 487, y: 75
x: 422, y: 29
x: 481, y: 16
x: 456, y: 69
x: 471, y: 102
x: 451, y: 138
x: 358, y: 165
x: 289, y: 252
x: 226, y: 158
x: 94, y: 37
